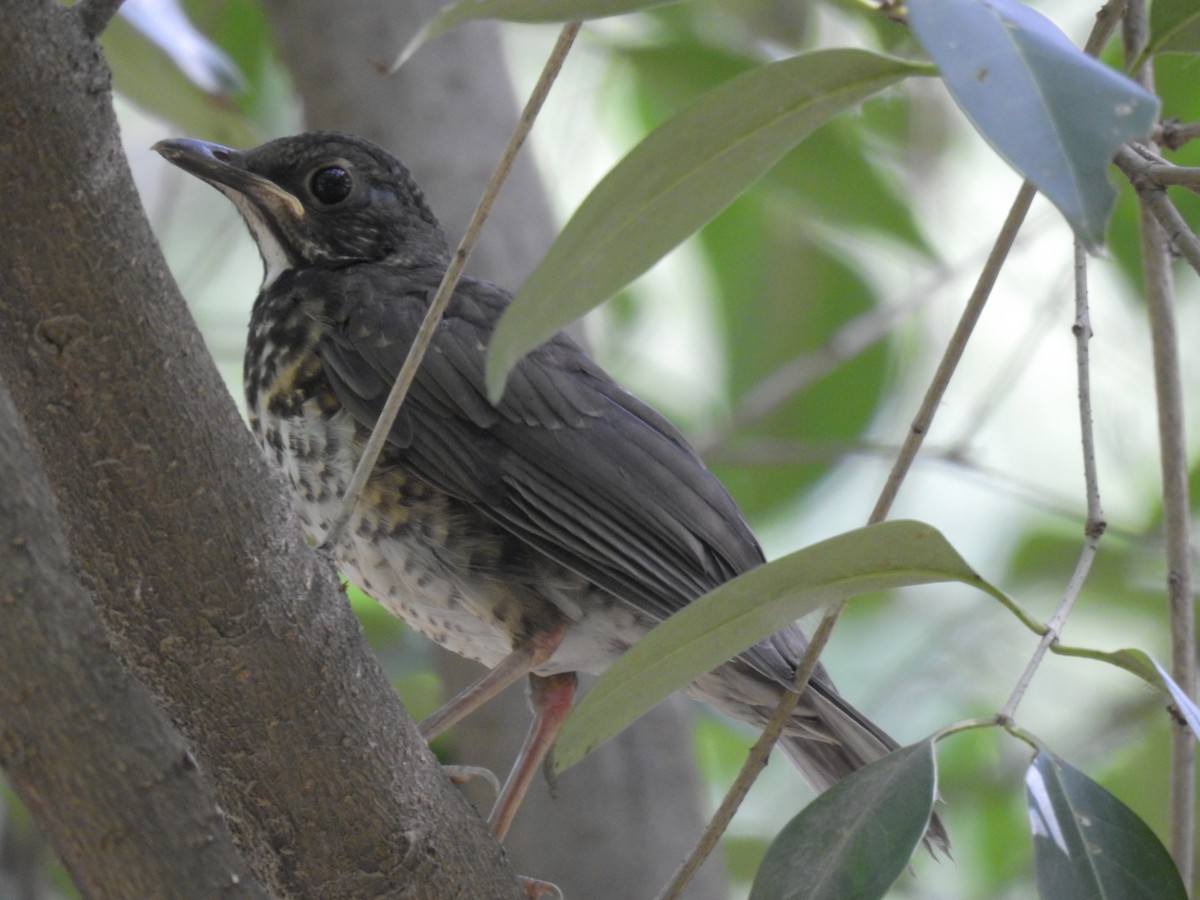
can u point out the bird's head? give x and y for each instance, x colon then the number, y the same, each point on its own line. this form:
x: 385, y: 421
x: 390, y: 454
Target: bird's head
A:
x: 319, y: 199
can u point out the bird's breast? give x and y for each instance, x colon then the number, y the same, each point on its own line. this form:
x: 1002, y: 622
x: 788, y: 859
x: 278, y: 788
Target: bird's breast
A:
x: 434, y: 560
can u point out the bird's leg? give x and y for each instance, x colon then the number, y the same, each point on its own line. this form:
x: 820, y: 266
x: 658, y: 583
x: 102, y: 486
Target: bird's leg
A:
x: 552, y: 696
x: 525, y: 657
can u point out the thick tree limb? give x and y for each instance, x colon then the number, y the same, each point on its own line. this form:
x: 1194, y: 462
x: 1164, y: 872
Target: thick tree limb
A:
x: 129, y: 818
x: 177, y: 529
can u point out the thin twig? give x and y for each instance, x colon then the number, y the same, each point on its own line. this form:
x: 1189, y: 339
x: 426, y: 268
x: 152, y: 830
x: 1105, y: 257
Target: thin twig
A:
x: 954, y: 352
x: 1168, y: 384
x: 1177, y: 526
x: 1166, y: 175
x: 756, y: 761
x: 366, y: 465
x: 1108, y: 18
x: 1095, y: 525
x: 1173, y: 134
x: 1154, y: 197
x: 762, y: 748
x: 793, y: 376
x: 96, y: 14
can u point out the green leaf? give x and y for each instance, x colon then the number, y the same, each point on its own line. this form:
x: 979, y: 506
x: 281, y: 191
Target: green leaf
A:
x: 166, y: 25
x: 854, y: 840
x: 675, y: 180
x: 1088, y: 844
x: 1146, y: 667
x: 1054, y: 114
x: 531, y: 11
x: 1185, y: 704
x: 1174, y: 27
x: 741, y: 612
x: 1136, y: 662
x: 146, y: 75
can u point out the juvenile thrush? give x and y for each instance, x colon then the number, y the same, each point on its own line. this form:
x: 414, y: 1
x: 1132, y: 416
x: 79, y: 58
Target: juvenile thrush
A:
x: 542, y: 535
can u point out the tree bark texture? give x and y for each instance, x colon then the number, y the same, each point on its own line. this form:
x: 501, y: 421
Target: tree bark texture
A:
x: 177, y: 529
x: 108, y: 778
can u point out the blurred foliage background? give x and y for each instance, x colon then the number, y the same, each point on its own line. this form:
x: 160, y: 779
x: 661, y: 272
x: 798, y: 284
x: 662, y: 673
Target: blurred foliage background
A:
x: 792, y: 338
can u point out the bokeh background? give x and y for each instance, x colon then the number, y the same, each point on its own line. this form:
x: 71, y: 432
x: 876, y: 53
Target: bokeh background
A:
x: 792, y: 339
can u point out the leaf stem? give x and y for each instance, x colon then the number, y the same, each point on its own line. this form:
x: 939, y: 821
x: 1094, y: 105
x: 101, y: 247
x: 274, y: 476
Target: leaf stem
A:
x: 366, y: 464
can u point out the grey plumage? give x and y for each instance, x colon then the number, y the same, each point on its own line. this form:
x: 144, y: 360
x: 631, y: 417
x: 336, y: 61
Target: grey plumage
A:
x: 570, y: 500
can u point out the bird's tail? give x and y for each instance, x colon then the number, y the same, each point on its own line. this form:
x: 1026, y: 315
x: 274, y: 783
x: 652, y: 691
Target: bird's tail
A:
x: 826, y: 738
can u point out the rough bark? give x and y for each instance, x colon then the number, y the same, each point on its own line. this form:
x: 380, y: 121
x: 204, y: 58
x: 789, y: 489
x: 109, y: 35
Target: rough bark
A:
x: 111, y: 783
x: 624, y: 818
x: 177, y: 529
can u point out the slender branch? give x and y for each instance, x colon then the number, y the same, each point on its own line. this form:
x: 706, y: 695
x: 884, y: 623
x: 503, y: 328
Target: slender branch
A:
x: 756, y: 760
x: 96, y: 14
x: 1153, y: 197
x: 1173, y: 134
x: 1160, y: 306
x: 445, y: 291
x: 1108, y: 18
x: 1095, y: 515
x: 1176, y: 521
x: 802, y: 370
x: 954, y: 352
x: 762, y: 748
x: 1166, y: 174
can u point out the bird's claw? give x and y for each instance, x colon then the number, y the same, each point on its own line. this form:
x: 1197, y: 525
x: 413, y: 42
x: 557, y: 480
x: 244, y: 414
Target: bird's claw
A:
x: 535, y: 888
x: 460, y: 775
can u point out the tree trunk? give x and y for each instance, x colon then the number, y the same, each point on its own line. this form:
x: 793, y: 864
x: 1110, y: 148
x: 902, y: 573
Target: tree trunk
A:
x: 179, y: 532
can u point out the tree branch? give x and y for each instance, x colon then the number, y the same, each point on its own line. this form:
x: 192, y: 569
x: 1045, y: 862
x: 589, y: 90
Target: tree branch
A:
x: 179, y: 530
x: 96, y: 14
x: 1168, y: 383
x: 129, y: 818
x: 1154, y: 198
x: 1095, y: 525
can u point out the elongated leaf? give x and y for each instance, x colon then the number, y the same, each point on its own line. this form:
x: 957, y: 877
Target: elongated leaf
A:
x: 678, y: 178
x: 741, y: 612
x: 145, y: 74
x: 518, y: 11
x: 1054, y: 114
x: 854, y: 840
x: 1088, y: 844
x: 1136, y: 662
x: 1146, y: 667
x: 165, y: 24
x: 1174, y: 26
x: 1185, y: 704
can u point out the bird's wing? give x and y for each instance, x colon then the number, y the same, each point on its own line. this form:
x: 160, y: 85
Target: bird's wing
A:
x: 568, y: 461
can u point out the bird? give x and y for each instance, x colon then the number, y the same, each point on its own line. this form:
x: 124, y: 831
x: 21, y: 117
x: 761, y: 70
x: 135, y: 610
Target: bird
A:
x: 540, y: 535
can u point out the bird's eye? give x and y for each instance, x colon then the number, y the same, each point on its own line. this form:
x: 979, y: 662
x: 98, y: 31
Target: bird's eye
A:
x: 331, y: 185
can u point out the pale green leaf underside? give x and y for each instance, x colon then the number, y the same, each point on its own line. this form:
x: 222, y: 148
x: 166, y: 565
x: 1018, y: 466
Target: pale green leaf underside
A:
x: 1054, y: 114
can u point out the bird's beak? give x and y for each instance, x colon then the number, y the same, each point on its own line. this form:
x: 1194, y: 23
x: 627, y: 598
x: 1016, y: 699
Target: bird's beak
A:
x: 225, y: 169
